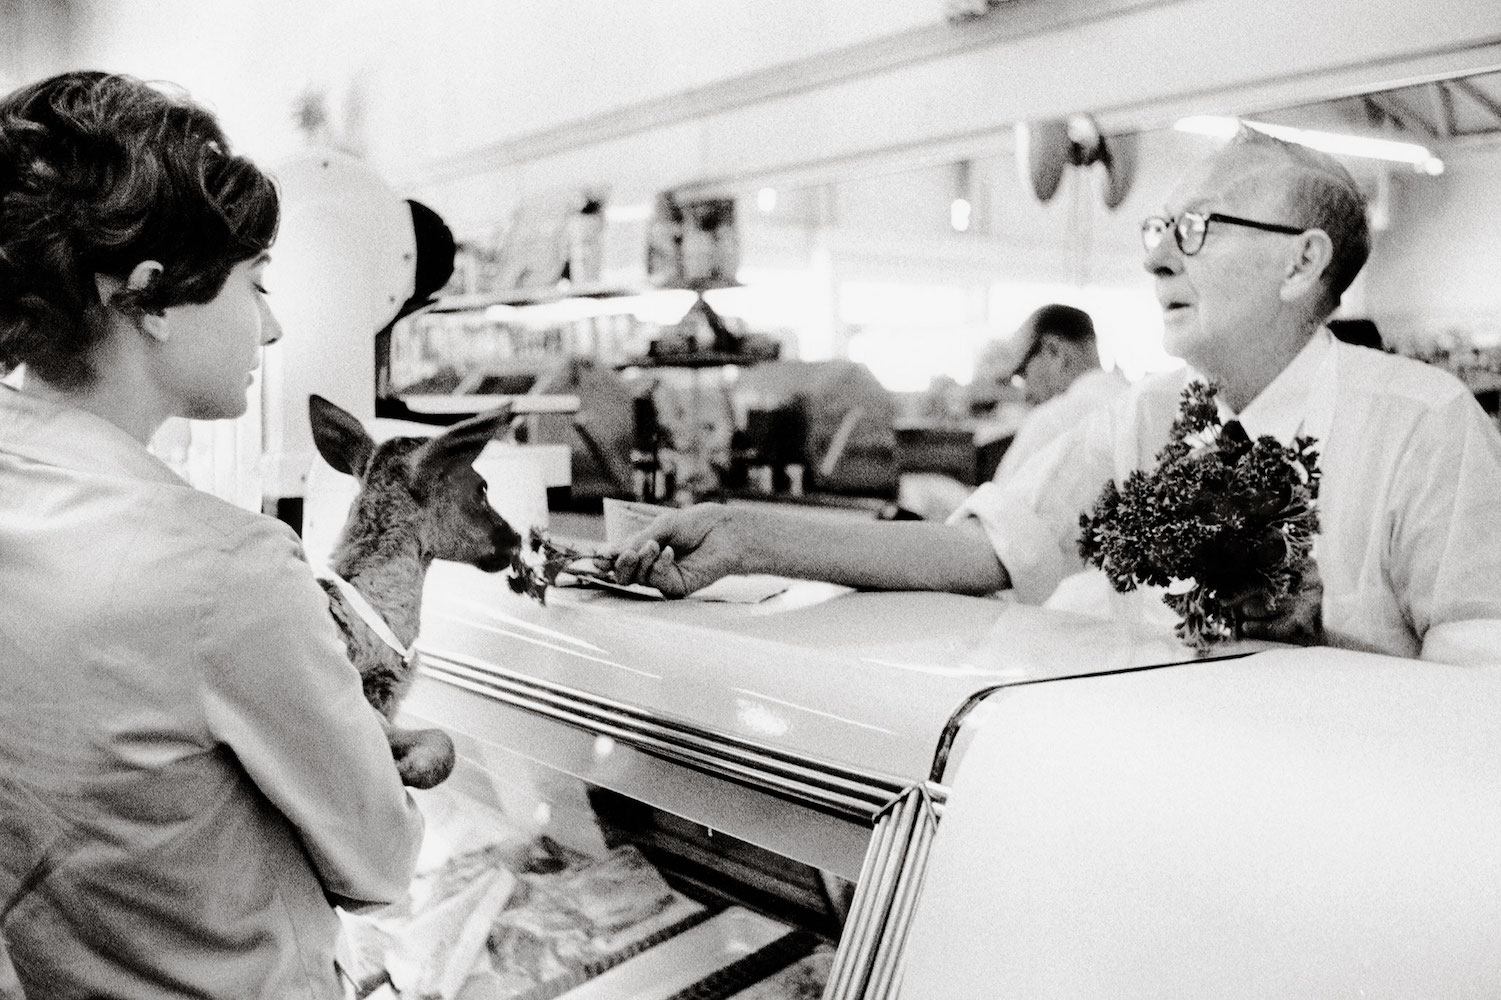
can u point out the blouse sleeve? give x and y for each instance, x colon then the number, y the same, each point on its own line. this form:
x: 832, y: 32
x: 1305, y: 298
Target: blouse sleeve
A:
x: 280, y: 691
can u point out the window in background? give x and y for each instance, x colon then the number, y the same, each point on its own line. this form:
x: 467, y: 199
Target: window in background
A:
x: 909, y: 334
x: 786, y: 303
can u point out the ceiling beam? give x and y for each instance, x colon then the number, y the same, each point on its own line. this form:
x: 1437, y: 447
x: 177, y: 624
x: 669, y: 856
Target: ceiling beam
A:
x: 1403, y: 113
x: 1481, y: 98
x: 1442, y: 100
x: 823, y: 70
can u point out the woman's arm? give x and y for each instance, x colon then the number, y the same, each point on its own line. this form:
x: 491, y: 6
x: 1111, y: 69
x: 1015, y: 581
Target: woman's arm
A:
x: 282, y: 694
x: 683, y: 551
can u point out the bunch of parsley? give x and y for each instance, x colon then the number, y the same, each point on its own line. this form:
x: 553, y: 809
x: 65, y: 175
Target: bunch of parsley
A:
x: 1219, y: 519
x: 535, y: 567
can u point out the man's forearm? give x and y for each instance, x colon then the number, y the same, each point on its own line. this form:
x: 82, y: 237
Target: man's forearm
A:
x: 873, y: 555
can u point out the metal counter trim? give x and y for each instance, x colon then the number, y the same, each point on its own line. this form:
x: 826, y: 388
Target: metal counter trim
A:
x: 902, y: 816
x: 951, y: 728
x: 838, y: 789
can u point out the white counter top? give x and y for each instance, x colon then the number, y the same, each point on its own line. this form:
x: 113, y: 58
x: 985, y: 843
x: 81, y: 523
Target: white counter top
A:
x: 866, y: 679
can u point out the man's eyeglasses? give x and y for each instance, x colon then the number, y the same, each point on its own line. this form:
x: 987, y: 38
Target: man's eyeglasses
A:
x: 1033, y: 349
x: 1190, y: 229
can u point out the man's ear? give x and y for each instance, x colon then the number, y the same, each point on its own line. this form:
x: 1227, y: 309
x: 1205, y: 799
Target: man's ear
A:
x: 1305, y: 272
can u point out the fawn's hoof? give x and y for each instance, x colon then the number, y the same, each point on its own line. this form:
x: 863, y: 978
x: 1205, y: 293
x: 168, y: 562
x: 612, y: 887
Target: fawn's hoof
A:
x: 424, y: 757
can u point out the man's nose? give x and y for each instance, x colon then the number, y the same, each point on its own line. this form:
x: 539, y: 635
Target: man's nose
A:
x: 1164, y: 259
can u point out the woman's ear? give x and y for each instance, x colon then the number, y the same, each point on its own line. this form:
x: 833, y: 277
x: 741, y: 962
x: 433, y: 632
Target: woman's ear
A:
x: 124, y: 297
x: 1305, y: 272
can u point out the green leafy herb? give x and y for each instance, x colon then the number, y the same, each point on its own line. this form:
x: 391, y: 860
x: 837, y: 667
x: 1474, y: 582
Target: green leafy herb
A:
x: 1220, y: 518
x: 536, y: 566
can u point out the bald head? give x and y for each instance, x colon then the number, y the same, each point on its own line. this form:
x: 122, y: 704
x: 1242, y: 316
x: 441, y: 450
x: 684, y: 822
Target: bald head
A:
x: 1315, y: 191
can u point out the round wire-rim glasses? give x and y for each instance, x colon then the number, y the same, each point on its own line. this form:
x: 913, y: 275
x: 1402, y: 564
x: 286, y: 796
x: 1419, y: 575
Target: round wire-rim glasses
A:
x: 1190, y: 229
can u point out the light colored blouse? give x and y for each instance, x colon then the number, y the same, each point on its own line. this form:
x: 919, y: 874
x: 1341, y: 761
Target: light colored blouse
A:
x: 1409, y: 550
x: 190, y: 776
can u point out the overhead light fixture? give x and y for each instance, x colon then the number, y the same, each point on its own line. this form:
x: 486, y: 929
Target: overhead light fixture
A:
x: 766, y: 200
x: 1337, y: 143
x: 961, y: 208
x: 960, y: 211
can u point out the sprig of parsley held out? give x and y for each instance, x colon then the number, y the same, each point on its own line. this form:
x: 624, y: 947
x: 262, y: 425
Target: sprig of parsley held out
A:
x: 1220, y: 518
x: 536, y: 566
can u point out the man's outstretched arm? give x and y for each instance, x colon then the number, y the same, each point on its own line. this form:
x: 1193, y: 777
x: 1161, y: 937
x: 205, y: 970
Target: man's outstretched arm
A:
x: 686, y: 550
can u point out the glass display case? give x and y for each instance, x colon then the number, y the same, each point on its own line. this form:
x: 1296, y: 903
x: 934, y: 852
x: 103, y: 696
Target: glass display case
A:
x: 797, y: 790
x: 700, y: 798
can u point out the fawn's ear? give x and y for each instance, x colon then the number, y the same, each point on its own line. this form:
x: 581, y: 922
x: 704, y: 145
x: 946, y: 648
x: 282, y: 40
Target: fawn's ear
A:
x: 461, y: 444
x: 340, y: 438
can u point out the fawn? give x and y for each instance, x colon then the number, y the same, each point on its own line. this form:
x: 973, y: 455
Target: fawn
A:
x: 419, y: 499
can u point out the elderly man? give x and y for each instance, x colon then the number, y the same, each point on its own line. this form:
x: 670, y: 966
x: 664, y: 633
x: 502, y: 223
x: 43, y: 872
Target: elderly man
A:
x: 1063, y: 377
x: 1250, y: 256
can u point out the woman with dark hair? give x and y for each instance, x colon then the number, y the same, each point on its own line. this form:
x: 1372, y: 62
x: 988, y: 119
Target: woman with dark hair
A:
x: 190, y: 776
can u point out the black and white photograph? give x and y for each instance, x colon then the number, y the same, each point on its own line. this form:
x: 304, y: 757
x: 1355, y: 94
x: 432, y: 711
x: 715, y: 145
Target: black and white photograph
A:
x: 750, y: 500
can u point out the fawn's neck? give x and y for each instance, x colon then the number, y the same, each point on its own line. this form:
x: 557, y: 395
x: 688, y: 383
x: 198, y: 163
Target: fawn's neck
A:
x: 389, y: 568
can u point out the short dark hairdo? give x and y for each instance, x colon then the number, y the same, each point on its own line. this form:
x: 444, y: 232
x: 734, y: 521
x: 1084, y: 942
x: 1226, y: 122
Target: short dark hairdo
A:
x: 99, y: 172
x: 1321, y: 195
x: 1065, y: 322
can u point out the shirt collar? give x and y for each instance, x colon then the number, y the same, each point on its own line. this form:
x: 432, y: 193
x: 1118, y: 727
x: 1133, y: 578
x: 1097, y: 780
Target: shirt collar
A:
x: 53, y: 433
x: 1283, y: 408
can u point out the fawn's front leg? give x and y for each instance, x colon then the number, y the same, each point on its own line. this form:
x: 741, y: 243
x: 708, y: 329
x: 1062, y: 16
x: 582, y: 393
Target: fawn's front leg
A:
x: 424, y: 757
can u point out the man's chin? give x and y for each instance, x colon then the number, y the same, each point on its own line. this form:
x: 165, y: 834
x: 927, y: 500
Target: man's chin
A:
x: 1180, y: 338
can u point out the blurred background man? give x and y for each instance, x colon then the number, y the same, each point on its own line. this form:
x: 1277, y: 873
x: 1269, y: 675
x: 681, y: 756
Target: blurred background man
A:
x: 1060, y: 369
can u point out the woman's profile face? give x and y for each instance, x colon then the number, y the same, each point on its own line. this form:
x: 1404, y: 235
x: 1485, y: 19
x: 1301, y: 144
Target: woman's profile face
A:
x: 212, y: 349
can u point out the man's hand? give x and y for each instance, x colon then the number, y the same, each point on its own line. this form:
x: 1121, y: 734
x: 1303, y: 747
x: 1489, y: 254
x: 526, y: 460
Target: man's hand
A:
x: 1297, y: 619
x: 684, y: 550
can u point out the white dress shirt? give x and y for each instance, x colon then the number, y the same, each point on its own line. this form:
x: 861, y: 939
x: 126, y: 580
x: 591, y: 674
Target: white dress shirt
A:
x: 1409, y: 550
x: 189, y: 773
x: 1057, y: 416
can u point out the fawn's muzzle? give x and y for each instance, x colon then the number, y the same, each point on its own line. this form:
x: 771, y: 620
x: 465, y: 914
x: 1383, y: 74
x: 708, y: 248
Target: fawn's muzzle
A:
x: 504, y: 542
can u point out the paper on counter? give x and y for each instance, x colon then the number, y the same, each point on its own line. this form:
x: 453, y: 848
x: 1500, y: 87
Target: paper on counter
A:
x: 749, y: 589
x: 623, y: 518
x: 727, y: 590
x: 624, y: 589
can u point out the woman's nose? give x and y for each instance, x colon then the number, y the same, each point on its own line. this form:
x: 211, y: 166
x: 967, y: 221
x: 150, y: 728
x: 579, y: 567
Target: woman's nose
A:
x: 271, y: 330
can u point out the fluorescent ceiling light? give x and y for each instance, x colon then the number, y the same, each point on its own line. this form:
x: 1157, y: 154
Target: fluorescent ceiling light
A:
x: 1338, y: 143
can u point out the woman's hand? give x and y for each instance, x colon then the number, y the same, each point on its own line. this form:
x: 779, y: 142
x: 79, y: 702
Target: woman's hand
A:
x: 684, y: 550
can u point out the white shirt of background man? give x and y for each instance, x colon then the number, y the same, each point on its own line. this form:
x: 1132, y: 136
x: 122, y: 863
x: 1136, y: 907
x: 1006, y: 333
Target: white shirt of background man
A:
x: 1055, y: 417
